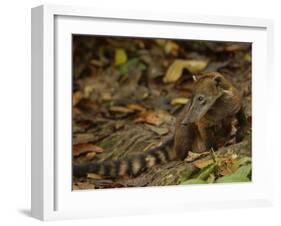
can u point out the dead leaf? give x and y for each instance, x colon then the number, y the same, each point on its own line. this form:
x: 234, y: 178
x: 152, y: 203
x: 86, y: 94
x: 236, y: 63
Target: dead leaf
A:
x: 203, y: 163
x: 154, y: 117
x: 187, y: 93
x: 175, y: 70
x: 120, y: 109
x: 83, y: 185
x: 79, y: 149
x: 136, y: 107
x: 97, y: 63
x: 149, y: 117
x: 106, y: 96
x: 233, y: 47
x: 226, y: 166
x: 77, y: 96
x: 170, y: 47
x: 90, y: 156
x: 248, y: 57
x: 81, y: 138
x: 94, y: 176
x: 179, y: 101
x: 88, y: 90
x: 87, y: 105
x: 160, y: 42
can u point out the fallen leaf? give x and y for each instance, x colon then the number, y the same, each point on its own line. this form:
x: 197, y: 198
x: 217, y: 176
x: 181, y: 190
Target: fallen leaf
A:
x: 232, y: 178
x: 242, y: 161
x: 160, y: 42
x: 203, y: 163
x: 175, y: 70
x: 205, y: 172
x: 224, y: 170
x: 87, y: 105
x: 77, y: 96
x: 130, y: 65
x: 244, y: 171
x: 83, y: 185
x: 154, y: 117
x: 88, y: 90
x: 171, y: 47
x: 233, y: 47
x: 79, y: 149
x: 106, y: 96
x: 90, y: 156
x: 97, y: 63
x: 187, y: 93
x: 185, y: 175
x: 94, y: 176
x: 194, y: 181
x: 120, y: 109
x: 120, y: 56
x: 248, y: 57
x: 179, y: 100
x: 240, y: 175
x: 226, y: 165
x: 149, y: 117
x: 82, y: 138
x: 211, y: 178
x: 136, y: 107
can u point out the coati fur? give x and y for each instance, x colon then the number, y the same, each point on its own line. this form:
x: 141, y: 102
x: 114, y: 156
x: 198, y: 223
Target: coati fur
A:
x: 213, y: 103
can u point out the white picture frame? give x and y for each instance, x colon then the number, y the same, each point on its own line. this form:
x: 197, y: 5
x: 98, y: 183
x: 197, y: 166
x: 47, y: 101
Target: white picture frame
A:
x: 52, y: 197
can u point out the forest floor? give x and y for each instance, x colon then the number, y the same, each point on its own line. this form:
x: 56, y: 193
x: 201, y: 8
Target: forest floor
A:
x: 127, y: 93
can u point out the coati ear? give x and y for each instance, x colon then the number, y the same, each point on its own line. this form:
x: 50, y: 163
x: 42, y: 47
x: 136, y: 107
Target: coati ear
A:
x: 221, y: 82
x: 218, y: 79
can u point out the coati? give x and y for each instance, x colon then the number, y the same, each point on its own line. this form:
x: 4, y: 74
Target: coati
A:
x: 214, y: 101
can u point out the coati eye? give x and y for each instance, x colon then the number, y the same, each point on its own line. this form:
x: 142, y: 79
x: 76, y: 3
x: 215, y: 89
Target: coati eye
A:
x: 201, y: 100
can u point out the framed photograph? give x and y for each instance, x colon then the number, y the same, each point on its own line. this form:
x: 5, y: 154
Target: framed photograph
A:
x: 137, y: 112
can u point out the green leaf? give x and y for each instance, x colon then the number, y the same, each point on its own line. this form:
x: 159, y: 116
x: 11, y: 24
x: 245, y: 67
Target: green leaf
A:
x: 211, y: 179
x: 240, y: 175
x: 243, y: 171
x: 232, y: 178
x: 129, y: 65
x: 194, y: 181
x: 243, y: 161
x: 201, y: 176
x: 184, y: 176
x: 205, y: 172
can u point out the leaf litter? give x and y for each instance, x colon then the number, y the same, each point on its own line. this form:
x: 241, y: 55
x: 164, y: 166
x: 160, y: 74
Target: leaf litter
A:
x: 127, y: 93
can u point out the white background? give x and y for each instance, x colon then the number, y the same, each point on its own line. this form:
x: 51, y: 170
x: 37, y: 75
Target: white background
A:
x: 15, y: 112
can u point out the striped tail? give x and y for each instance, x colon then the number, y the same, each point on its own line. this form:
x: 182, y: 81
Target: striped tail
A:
x: 132, y: 166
